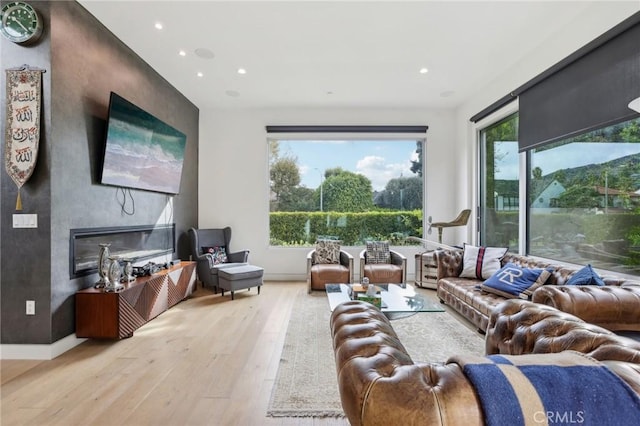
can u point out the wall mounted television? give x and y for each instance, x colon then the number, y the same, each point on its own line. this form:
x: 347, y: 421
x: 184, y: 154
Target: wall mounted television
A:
x: 141, y: 151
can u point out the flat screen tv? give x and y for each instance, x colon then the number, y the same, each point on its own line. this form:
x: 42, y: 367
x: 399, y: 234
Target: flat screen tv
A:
x: 141, y: 151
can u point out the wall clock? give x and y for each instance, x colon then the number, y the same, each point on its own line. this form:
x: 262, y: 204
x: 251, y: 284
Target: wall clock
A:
x: 20, y: 23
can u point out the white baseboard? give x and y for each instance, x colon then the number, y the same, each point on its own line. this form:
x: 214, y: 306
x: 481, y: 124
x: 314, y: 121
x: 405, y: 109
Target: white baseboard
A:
x: 44, y: 352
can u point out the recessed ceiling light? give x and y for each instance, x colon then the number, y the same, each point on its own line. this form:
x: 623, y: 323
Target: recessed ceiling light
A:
x: 158, y: 25
x: 200, y: 74
x: 242, y: 71
x: 182, y: 53
x: 423, y: 70
x: 232, y: 93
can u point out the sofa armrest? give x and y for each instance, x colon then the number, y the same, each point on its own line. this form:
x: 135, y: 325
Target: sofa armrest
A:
x: 611, y: 307
x: 449, y: 263
x: 518, y: 327
x: 379, y: 383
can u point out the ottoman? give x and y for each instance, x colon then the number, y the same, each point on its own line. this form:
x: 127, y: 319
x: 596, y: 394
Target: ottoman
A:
x: 239, y: 277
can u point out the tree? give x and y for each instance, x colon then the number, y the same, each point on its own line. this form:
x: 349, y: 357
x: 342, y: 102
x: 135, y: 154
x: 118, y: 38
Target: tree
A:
x: 402, y: 194
x: 285, y: 176
x: 274, y: 151
x: 506, y: 130
x: 631, y: 132
x: 299, y: 199
x: 345, y: 191
x: 579, y: 197
x: 537, y: 183
x: 416, y: 165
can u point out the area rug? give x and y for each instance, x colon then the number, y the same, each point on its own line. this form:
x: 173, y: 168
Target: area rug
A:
x: 306, y: 384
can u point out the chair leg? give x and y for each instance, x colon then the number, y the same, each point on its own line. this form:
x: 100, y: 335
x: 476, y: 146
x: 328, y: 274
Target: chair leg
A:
x: 440, y: 235
x: 232, y: 295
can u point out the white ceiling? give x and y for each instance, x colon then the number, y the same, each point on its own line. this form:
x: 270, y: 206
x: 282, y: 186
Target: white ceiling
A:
x: 335, y: 53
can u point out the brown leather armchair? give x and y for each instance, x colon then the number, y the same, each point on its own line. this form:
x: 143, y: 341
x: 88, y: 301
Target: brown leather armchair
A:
x: 319, y: 274
x: 380, y: 273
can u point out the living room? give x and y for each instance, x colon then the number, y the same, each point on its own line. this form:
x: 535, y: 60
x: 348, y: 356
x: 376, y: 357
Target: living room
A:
x: 224, y: 145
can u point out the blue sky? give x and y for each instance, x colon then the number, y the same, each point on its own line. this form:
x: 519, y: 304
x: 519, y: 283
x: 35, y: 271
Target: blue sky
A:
x: 565, y: 157
x: 380, y: 161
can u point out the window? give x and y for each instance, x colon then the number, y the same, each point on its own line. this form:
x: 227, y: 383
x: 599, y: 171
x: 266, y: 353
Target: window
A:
x: 351, y: 190
x: 499, y: 184
x: 585, y: 194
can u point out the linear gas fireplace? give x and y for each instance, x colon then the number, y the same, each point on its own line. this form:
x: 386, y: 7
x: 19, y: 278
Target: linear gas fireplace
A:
x: 135, y: 243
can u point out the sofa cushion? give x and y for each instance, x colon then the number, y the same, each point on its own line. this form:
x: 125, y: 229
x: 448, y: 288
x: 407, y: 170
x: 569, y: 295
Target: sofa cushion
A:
x: 481, y: 262
x: 585, y: 276
x: 378, y: 252
x: 218, y: 253
x: 512, y: 281
x: 327, y: 251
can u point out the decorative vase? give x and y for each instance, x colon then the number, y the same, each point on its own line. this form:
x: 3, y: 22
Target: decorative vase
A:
x: 128, y: 272
x: 114, y: 274
x: 103, y: 265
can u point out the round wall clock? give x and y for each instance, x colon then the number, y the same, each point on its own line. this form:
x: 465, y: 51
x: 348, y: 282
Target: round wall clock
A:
x: 20, y: 23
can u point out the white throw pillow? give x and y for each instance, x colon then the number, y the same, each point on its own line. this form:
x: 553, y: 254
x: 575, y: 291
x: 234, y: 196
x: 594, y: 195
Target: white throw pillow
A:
x: 481, y: 262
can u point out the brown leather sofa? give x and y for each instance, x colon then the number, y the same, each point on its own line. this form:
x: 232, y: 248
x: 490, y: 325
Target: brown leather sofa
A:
x: 616, y: 306
x: 380, y: 384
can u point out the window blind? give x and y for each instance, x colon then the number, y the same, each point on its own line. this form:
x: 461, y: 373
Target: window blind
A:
x: 591, y: 92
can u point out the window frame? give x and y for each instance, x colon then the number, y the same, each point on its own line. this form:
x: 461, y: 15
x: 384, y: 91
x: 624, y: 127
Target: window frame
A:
x: 477, y: 128
x: 350, y: 136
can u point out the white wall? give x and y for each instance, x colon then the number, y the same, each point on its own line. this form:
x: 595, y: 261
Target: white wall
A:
x: 234, y: 175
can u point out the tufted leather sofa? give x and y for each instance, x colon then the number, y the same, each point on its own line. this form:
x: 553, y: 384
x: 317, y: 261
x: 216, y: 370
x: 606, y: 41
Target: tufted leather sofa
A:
x: 380, y: 384
x: 616, y: 306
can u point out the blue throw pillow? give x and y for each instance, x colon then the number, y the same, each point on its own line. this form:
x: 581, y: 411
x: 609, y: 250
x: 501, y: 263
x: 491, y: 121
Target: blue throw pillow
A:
x: 515, y: 282
x: 585, y: 276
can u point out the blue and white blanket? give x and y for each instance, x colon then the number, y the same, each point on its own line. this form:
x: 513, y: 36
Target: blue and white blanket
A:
x: 568, y: 388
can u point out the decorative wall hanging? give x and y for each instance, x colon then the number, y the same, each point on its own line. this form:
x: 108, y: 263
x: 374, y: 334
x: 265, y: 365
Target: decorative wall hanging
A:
x: 24, y: 88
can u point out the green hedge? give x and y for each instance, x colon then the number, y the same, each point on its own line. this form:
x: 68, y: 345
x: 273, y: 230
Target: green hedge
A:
x: 353, y: 229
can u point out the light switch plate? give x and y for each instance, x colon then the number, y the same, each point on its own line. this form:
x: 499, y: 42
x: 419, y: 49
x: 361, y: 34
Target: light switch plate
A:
x: 25, y: 220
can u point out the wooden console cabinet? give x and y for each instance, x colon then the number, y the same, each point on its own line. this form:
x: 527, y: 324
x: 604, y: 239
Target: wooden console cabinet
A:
x: 117, y: 315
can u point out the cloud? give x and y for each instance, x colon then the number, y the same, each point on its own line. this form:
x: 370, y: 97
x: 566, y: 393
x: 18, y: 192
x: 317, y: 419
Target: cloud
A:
x: 380, y: 172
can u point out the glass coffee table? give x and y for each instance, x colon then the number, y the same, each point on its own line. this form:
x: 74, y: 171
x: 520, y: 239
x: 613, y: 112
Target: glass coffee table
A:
x: 398, y: 300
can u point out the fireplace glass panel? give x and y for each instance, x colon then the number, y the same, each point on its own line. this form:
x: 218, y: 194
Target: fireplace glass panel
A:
x: 135, y: 243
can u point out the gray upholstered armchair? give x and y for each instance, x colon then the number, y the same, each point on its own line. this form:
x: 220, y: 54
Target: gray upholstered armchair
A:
x: 210, y: 248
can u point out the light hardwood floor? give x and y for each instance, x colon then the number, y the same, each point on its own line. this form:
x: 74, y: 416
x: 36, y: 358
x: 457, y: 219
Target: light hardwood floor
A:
x: 206, y: 361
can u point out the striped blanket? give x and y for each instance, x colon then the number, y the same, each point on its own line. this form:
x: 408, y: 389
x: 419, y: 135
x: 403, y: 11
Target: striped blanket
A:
x: 549, y: 389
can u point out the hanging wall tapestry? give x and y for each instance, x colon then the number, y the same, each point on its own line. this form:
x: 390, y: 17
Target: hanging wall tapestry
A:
x: 23, y: 124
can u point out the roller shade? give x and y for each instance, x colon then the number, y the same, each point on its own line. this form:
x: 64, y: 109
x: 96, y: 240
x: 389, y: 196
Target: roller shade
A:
x: 591, y: 92
x: 347, y: 129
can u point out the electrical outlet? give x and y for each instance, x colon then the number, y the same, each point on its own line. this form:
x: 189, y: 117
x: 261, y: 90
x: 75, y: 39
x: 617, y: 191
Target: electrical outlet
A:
x: 31, y: 307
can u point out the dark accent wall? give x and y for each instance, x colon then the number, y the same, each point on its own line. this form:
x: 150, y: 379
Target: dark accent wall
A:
x: 84, y: 63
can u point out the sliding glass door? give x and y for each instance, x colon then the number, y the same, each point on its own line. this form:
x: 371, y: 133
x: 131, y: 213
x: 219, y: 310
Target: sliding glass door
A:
x: 499, y: 184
